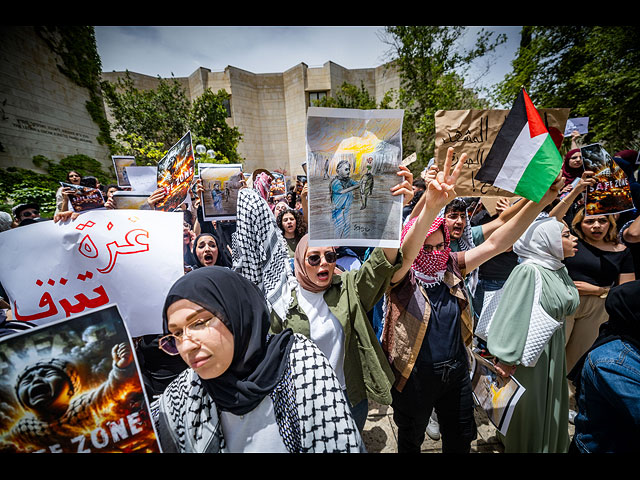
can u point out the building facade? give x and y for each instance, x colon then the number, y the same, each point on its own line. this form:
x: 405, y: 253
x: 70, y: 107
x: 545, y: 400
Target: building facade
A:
x: 270, y: 109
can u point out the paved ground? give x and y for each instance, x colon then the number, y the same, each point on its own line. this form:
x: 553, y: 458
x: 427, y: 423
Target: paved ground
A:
x: 380, y: 434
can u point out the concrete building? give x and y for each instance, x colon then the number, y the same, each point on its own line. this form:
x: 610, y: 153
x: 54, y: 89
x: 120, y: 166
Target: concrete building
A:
x: 42, y: 111
x: 270, y: 109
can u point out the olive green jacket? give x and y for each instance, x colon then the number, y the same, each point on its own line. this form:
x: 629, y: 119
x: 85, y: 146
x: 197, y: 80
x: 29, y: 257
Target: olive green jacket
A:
x: 349, y: 297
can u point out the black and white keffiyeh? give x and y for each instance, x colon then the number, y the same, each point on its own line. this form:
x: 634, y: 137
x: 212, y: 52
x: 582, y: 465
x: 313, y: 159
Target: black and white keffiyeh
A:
x: 260, y: 251
x: 310, y: 409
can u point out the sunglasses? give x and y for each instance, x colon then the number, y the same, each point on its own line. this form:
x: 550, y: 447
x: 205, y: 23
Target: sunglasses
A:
x: 169, y: 343
x: 29, y: 213
x: 314, y: 260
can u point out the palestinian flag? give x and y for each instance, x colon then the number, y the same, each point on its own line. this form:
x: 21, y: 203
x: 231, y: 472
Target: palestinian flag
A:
x: 523, y: 158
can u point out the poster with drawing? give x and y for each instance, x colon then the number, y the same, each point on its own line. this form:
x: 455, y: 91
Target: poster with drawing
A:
x: 611, y: 192
x: 120, y: 162
x: 74, y: 386
x: 221, y: 183
x: 473, y: 132
x: 175, y: 173
x: 127, y: 257
x: 496, y: 395
x: 352, y: 160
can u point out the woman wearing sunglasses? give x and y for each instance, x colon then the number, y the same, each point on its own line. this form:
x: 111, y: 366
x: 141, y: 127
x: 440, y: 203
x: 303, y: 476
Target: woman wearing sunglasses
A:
x: 428, y: 323
x: 245, y: 390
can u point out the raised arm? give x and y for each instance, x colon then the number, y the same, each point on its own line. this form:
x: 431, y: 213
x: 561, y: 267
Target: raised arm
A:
x: 560, y: 210
x: 439, y: 192
x: 506, y: 235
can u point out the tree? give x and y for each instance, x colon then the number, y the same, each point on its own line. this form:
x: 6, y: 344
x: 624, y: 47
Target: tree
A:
x: 350, y: 96
x: 149, y: 122
x: 431, y: 64
x: 594, y: 70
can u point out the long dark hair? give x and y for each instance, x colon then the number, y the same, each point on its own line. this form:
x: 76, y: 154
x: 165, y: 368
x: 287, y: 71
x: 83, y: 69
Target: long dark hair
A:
x: 301, y: 226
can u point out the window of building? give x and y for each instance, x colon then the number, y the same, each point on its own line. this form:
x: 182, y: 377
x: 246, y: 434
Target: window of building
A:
x: 313, y: 96
x: 227, y: 106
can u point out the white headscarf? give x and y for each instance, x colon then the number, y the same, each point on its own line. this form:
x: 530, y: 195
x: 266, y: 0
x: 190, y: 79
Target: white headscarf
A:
x: 542, y: 244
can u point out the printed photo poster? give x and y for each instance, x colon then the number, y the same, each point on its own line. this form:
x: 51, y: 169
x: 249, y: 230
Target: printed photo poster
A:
x: 581, y: 124
x: 611, y: 192
x: 278, y: 186
x: 74, y: 386
x: 84, y: 198
x: 473, y: 132
x: 127, y: 257
x: 352, y: 163
x: 120, y: 162
x: 129, y: 200
x: 221, y: 183
x: 496, y: 395
x: 301, y: 181
x: 175, y: 173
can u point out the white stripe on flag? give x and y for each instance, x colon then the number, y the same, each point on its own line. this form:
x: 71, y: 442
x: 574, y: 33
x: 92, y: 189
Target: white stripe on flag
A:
x: 521, y: 153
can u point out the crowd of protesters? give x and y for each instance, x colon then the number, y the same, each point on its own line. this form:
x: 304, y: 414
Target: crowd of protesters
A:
x: 266, y: 337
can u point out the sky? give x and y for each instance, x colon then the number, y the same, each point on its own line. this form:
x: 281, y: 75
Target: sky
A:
x: 180, y: 50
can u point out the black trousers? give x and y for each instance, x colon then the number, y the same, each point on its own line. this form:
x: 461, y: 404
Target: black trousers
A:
x: 445, y: 387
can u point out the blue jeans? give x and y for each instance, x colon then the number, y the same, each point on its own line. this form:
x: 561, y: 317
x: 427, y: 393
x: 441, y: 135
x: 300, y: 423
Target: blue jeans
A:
x: 609, y: 400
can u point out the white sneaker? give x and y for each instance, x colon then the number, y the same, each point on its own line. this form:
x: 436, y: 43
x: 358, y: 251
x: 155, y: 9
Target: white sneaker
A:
x: 433, y: 429
x: 572, y: 416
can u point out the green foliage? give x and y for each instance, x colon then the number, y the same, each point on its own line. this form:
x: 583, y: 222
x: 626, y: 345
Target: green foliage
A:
x: 594, y: 70
x: 21, y: 185
x: 149, y: 122
x: 431, y: 66
x: 350, y: 96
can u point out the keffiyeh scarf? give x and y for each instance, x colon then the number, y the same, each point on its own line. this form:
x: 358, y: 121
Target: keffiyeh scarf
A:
x: 429, y: 268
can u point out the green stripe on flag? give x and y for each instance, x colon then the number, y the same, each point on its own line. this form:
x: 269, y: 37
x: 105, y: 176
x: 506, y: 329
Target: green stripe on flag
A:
x: 541, y: 171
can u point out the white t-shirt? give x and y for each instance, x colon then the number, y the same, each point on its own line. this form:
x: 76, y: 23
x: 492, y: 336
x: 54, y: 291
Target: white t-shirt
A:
x: 254, y: 432
x: 325, y: 328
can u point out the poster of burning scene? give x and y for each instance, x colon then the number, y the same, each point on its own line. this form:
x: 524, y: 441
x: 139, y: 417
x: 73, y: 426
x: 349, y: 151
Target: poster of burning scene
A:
x: 611, y: 192
x: 83, y: 198
x: 175, y: 173
x: 221, y: 183
x: 74, y: 386
x: 352, y: 161
x: 120, y: 162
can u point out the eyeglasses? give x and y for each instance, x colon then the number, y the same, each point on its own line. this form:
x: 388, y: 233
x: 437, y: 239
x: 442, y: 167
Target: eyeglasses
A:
x: 314, y: 260
x: 430, y: 248
x: 169, y: 343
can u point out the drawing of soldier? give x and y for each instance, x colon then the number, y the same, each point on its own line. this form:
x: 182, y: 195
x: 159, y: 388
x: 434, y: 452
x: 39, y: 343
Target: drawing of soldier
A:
x: 366, y: 184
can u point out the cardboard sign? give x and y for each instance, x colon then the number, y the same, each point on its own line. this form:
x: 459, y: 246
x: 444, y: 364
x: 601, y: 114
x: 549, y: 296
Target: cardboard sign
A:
x: 74, y: 386
x: 473, y: 132
x: 53, y: 270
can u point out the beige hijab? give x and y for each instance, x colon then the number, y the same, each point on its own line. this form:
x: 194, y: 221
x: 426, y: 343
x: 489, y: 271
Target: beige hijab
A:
x: 301, y: 267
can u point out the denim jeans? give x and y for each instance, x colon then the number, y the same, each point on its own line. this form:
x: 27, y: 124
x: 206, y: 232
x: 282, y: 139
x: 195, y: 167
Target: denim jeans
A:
x: 609, y: 400
x: 445, y: 387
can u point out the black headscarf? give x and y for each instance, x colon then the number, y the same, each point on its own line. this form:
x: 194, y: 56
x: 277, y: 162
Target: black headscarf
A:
x: 623, y: 306
x: 224, y: 256
x: 258, y: 361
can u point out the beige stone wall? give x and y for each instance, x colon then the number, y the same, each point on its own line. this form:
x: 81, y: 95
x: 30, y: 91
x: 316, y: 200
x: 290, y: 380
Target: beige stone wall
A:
x: 42, y: 112
x: 270, y: 109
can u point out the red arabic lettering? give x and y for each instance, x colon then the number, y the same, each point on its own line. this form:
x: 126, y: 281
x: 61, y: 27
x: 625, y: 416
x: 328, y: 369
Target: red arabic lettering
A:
x: 85, y: 302
x: 132, y: 245
x: 45, y: 300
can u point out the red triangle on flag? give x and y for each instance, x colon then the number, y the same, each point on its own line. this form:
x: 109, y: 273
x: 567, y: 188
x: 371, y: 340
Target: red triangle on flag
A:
x: 536, y: 125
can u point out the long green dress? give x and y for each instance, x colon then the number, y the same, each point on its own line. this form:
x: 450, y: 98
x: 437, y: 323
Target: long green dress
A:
x: 540, y: 419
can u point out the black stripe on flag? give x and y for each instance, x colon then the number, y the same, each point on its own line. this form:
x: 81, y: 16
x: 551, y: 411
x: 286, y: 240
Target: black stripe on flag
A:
x: 511, y: 128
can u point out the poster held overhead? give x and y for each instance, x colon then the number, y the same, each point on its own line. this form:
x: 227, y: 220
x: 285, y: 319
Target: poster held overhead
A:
x: 175, y: 173
x: 120, y: 162
x: 352, y: 162
x: 221, y: 183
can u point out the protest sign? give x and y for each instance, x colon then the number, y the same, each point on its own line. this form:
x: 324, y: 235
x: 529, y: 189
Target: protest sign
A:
x: 581, y: 124
x: 496, y: 395
x: 175, y: 173
x: 352, y: 163
x: 301, y: 180
x: 129, y: 200
x: 143, y: 179
x: 120, y: 162
x: 473, y: 132
x: 611, y: 192
x: 221, y: 183
x: 104, y: 256
x: 278, y: 186
x: 74, y: 386
x: 84, y: 198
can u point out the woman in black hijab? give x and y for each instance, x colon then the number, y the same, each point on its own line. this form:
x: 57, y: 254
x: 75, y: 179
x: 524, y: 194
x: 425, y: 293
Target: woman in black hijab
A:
x: 607, y: 379
x: 245, y: 390
x: 210, y: 249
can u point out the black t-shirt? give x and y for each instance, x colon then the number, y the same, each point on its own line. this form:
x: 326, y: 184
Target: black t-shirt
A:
x: 635, y: 249
x: 498, y: 267
x: 598, y: 267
